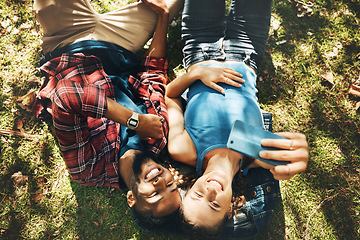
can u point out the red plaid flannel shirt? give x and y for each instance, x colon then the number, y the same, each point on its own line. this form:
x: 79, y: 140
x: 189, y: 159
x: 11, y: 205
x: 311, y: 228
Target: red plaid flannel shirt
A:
x: 74, y: 94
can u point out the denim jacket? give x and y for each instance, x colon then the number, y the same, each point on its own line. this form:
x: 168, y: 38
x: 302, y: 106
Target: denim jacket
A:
x: 261, y: 193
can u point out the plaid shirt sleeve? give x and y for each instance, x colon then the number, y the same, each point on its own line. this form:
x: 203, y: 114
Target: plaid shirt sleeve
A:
x: 149, y: 84
x: 75, y: 94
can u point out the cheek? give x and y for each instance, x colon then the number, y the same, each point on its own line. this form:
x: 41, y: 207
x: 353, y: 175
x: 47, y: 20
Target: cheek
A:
x: 146, y: 188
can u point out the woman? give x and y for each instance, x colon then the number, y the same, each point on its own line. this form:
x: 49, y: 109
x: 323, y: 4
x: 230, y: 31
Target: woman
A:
x: 222, y: 55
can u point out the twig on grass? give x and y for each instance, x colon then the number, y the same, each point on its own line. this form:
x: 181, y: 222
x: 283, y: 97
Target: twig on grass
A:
x: 16, y: 133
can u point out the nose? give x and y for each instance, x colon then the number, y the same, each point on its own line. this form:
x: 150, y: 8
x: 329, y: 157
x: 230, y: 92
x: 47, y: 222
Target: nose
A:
x: 159, y: 181
x: 211, y: 193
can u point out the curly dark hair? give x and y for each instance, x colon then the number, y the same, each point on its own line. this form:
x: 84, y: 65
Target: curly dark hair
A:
x: 199, y: 231
x: 169, y: 223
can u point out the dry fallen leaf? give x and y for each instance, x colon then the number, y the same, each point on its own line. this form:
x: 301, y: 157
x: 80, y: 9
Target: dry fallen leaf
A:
x: 38, y: 197
x: 19, y: 178
x: 20, y: 125
x: 26, y: 101
x: 275, y: 24
x: 34, y: 79
x: 331, y: 54
x: 328, y: 76
x: 354, y: 90
x: 357, y: 106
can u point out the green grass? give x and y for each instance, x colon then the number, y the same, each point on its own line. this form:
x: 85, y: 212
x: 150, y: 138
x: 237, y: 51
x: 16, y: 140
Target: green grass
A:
x: 321, y: 203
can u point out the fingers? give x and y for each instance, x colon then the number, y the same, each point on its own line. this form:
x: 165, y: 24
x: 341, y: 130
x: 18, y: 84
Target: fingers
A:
x: 232, y: 82
x: 285, y: 172
x: 295, y: 150
x: 294, y: 141
x: 217, y: 87
x: 232, y: 77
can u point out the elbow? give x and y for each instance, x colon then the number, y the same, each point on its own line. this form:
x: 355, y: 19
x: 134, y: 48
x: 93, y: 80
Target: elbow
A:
x: 180, y: 154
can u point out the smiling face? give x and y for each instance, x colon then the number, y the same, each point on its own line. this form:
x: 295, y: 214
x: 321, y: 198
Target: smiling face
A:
x: 154, y: 189
x: 209, y: 200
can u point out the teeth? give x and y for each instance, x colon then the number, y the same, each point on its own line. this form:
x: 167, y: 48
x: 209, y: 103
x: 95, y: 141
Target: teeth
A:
x: 152, y: 173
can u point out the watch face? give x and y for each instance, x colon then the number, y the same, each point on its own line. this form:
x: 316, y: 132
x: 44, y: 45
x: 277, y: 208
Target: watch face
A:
x: 133, y: 123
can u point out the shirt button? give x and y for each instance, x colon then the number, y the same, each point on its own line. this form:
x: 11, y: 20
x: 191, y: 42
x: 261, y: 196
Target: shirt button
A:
x: 268, y: 189
x: 253, y: 194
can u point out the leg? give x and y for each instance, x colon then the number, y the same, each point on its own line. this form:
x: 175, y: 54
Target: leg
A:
x: 203, y: 30
x: 247, y: 31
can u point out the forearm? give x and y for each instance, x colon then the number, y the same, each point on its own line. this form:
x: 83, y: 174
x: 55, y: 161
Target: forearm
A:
x: 180, y: 145
x: 176, y: 87
x: 158, y: 44
x: 116, y: 112
x: 176, y: 116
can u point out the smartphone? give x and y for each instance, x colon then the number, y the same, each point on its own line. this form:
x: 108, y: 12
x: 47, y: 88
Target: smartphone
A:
x: 246, y: 139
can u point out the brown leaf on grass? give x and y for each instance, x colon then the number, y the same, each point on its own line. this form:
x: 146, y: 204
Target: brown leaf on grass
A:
x: 328, y: 76
x: 20, y: 125
x: 41, y: 181
x: 34, y: 79
x: 354, y: 90
x: 357, y: 106
x: 19, y: 178
x: 26, y: 101
x: 38, y: 197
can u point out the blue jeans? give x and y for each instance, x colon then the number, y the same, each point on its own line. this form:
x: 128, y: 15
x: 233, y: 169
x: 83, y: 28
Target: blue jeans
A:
x: 209, y: 34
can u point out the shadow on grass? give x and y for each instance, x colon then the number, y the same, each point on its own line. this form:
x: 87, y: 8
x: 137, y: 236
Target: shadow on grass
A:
x: 338, y: 177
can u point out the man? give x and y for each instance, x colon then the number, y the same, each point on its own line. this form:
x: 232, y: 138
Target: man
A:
x: 102, y: 102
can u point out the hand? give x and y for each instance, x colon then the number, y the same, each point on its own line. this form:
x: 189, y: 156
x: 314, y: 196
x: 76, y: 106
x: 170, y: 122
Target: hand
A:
x: 295, y: 150
x: 150, y: 126
x: 211, y: 75
x: 158, y: 6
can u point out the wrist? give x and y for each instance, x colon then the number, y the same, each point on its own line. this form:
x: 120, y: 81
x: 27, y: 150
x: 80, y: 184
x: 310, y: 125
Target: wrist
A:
x: 133, y: 122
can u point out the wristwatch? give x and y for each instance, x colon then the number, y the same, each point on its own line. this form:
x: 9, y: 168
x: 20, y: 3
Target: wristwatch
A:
x: 133, y: 121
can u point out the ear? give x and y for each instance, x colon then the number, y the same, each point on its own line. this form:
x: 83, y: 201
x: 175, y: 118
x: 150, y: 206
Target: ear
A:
x: 130, y: 198
x: 229, y: 213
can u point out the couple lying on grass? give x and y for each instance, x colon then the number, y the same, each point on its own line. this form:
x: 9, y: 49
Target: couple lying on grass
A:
x: 113, y: 117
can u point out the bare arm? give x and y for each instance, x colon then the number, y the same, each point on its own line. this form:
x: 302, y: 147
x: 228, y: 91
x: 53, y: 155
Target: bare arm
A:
x: 149, y: 125
x: 180, y: 145
x: 158, y: 44
x: 209, y: 75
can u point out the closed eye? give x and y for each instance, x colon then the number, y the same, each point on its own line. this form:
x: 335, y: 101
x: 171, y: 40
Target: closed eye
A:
x: 153, y: 194
x: 170, y: 184
x: 198, y: 194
